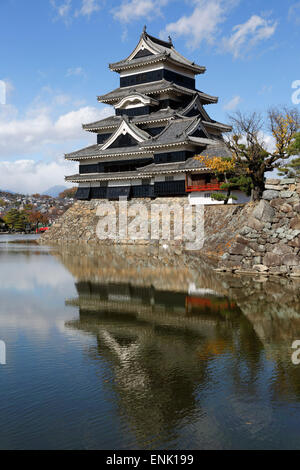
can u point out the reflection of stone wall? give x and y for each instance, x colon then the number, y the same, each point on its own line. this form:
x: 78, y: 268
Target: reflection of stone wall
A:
x: 271, y: 305
x: 173, y: 270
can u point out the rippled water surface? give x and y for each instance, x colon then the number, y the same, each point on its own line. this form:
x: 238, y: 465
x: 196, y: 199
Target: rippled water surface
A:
x: 119, y: 349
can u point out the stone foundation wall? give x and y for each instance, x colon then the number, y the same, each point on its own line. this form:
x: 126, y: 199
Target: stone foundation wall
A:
x: 270, y: 240
x: 79, y: 224
x: 256, y: 238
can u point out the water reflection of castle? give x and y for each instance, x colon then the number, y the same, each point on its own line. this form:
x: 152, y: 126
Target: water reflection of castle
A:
x: 160, y: 346
x: 188, y: 354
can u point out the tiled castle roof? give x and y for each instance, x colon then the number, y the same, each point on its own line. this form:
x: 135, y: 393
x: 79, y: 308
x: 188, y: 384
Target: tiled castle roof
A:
x: 161, y: 51
x: 154, y: 88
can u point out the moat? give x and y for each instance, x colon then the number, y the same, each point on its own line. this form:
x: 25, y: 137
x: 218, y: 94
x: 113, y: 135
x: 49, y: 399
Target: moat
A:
x: 119, y: 348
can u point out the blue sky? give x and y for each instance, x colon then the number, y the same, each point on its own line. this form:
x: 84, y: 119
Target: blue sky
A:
x: 54, y: 59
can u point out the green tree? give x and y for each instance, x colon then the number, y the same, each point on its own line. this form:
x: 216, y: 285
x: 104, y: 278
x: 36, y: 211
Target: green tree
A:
x: 233, y: 182
x: 231, y: 173
x: 20, y: 223
x: 15, y: 220
x: 292, y: 169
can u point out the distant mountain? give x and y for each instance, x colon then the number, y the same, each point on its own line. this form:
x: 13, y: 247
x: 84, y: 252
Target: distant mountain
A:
x: 54, y: 191
x: 8, y: 191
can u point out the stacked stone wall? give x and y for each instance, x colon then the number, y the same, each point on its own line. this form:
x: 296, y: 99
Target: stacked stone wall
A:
x: 256, y: 238
x: 270, y: 240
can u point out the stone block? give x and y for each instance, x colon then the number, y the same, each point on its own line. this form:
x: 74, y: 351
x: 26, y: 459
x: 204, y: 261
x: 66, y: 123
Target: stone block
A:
x: 288, y: 181
x: 271, y: 259
x: 297, y: 208
x: 255, y: 224
x: 281, y: 249
x: 291, y: 260
x: 270, y: 194
x: 274, y: 187
x: 296, y: 271
x: 295, y: 223
x: 260, y: 268
x: 237, y: 249
x: 242, y: 240
x: 264, y: 212
x: 272, y: 181
x: 286, y: 194
x: 295, y: 242
x: 286, y: 208
x: 246, y: 230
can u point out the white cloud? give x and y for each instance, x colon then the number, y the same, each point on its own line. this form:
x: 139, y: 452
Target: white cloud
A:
x: 248, y: 34
x: 203, y: 23
x: 31, y: 144
x: 265, y: 89
x: 294, y: 13
x: 29, y: 176
x: 76, y: 72
x: 37, y: 130
x: 6, y: 88
x: 269, y: 141
x: 135, y: 9
x: 63, y: 10
x: 87, y: 8
x: 233, y: 103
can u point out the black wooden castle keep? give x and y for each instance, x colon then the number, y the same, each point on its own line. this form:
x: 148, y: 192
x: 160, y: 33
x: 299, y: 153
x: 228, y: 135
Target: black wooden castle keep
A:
x: 147, y: 148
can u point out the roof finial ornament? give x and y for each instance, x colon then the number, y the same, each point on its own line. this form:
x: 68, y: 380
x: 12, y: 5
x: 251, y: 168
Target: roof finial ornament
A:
x: 170, y: 40
x: 145, y: 29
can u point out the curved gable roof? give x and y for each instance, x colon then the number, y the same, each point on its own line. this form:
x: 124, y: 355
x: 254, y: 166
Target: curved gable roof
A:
x: 158, y: 49
x: 127, y: 127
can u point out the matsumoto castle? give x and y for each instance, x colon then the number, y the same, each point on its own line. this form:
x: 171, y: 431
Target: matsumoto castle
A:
x: 147, y: 149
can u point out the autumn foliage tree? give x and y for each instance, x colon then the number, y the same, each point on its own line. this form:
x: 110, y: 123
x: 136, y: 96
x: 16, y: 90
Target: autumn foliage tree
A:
x: 249, y: 144
x: 235, y: 175
x: 36, y: 218
x: 68, y: 193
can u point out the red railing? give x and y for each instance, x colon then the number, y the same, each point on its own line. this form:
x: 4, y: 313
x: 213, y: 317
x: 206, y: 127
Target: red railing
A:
x: 203, y: 187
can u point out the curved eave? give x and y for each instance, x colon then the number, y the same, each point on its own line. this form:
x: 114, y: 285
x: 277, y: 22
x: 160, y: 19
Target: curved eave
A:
x: 205, y: 99
x: 88, y: 128
x: 120, y: 66
x: 111, y: 155
x: 188, y: 140
x: 150, y: 121
x: 208, y: 99
x: 218, y: 126
x: 163, y: 146
x: 100, y: 177
x: 174, y: 89
x: 110, y: 177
